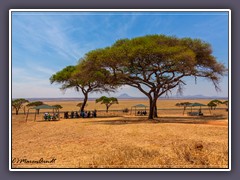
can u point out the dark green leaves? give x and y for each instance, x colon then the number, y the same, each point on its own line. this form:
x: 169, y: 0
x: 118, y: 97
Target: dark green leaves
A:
x: 35, y: 103
x: 107, y: 100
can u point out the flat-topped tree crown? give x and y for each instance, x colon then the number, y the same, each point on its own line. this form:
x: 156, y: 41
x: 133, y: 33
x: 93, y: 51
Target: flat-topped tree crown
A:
x: 156, y: 64
x: 108, y: 101
x: 35, y: 103
x: 17, y: 104
x: 82, y: 79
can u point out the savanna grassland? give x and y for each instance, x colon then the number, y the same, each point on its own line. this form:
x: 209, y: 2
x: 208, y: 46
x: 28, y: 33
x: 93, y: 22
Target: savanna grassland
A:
x: 123, y: 140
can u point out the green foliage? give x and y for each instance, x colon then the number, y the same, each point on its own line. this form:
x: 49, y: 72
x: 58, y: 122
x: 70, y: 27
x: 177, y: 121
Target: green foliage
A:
x: 183, y: 104
x: 58, y: 106
x: 64, y: 75
x: 214, y: 103
x: 18, y: 103
x: 35, y: 103
x: 83, y: 77
x: 165, y: 57
x: 155, y: 64
x: 108, y: 101
x: 99, y: 78
x: 66, y: 78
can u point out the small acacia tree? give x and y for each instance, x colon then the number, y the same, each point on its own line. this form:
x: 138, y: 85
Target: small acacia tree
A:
x: 58, y: 106
x: 18, y: 103
x: 108, y: 101
x: 35, y: 103
x: 82, y: 79
x: 156, y: 64
x: 183, y: 104
x: 214, y: 103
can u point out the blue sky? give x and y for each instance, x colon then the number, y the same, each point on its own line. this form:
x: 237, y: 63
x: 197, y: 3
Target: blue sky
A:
x: 46, y: 42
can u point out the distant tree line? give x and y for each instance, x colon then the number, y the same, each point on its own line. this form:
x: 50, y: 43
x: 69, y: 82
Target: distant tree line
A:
x: 17, y: 104
x: 212, y: 104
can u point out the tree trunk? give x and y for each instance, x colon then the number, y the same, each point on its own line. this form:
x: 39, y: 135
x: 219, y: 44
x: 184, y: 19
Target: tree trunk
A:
x: 151, y: 109
x: 84, y: 101
x: 16, y: 111
x: 155, y: 97
x: 107, y: 108
x: 155, y: 114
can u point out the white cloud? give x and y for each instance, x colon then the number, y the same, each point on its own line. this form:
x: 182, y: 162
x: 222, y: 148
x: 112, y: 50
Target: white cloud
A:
x: 37, y: 33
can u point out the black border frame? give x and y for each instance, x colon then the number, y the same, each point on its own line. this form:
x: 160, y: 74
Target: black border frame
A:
x: 5, y: 5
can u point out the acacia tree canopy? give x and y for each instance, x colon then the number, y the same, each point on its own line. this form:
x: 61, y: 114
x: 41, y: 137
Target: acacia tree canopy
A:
x: 18, y: 103
x: 184, y: 104
x: 35, y: 103
x: 108, y: 101
x: 156, y: 64
x: 67, y: 78
x: 58, y: 106
x: 214, y: 103
x: 82, y: 79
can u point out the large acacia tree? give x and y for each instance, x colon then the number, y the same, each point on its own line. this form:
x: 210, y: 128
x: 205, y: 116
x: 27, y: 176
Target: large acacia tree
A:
x: 82, y: 79
x: 156, y: 64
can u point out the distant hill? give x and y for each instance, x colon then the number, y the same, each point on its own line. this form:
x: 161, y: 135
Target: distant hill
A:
x: 198, y: 96
x: 125, y: 96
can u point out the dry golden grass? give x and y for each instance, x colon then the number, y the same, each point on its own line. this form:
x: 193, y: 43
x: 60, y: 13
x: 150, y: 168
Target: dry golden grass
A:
x: 171, y: 141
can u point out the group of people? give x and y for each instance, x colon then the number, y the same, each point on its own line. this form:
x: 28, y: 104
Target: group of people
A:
x: 47, y: 116
x: 83, y: 114
x: 71, y: 115
x: 142, y: 113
